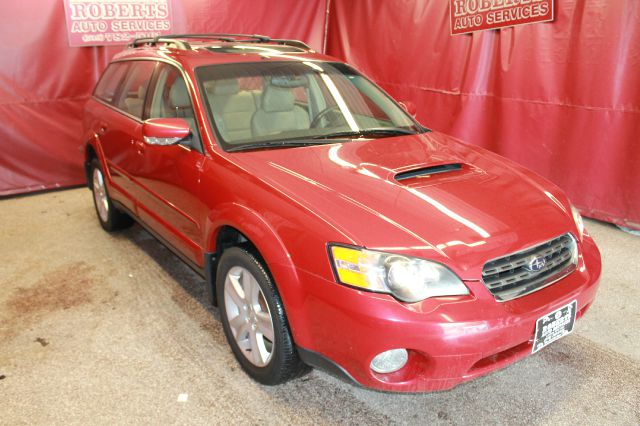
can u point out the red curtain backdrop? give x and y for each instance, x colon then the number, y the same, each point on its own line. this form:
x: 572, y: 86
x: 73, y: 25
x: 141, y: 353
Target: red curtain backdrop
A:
x: 44, y: 83
x: 562, y: 98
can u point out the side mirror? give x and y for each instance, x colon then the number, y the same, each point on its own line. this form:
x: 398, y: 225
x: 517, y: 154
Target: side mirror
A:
x: 409, y: 106
x: 165, y: 131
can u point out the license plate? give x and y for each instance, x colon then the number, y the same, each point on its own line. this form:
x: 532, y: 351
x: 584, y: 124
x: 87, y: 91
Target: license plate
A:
x: 555, y: 325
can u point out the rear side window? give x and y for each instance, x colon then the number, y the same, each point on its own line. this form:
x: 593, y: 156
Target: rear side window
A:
x: 134, y: 89
x: 108, y: 84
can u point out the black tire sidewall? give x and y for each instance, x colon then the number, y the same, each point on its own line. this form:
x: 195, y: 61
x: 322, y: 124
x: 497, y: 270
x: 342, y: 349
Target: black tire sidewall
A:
x: 274, y: 372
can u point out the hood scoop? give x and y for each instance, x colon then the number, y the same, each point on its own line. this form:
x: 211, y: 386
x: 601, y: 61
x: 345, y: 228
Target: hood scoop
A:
x: 428, y: 171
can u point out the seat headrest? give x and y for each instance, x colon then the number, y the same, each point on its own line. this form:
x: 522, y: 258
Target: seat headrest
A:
x: 277, y: 99
x: 179, y: 95
x: 209, y: 85
x: 229, y: 86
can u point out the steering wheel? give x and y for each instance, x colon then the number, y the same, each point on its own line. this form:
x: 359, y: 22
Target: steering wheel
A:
x: 325, y: 113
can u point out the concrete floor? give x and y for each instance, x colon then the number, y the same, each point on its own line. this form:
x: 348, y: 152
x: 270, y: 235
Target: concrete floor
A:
x: 114, y: 329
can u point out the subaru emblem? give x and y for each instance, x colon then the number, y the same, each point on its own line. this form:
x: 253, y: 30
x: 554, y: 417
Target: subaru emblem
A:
x: 536, y: 264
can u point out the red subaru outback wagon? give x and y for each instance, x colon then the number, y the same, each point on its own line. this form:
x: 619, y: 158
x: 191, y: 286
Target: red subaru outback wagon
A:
x: 332, y: 229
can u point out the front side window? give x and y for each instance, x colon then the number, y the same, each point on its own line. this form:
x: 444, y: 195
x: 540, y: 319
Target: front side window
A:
x: 171, y: 99
x: 134, y: 89
x: 297, y: 102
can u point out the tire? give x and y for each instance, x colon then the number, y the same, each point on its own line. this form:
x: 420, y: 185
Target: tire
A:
x: 266, y: 353
x: 111, y: 219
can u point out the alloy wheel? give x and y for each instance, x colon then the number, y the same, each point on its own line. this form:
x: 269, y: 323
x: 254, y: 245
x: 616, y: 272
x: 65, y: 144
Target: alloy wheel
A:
x: 249, y: 316
x: 100, y: 195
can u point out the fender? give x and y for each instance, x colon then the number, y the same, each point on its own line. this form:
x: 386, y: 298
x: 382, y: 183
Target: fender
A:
x: 115, y: 191
x: 253, y: 226
x: 268, y: 243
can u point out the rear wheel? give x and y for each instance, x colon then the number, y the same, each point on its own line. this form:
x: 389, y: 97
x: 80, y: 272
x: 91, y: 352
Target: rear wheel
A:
x: 111, y: 219
x: 254, y: 320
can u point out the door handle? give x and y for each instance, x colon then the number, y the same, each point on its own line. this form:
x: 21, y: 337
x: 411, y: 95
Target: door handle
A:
x: 139, y: 145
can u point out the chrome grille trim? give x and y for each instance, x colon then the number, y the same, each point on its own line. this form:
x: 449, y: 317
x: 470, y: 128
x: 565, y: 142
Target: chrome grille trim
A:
x: 507, y: 277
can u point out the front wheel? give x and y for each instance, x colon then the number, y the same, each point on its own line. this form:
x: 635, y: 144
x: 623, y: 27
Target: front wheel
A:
x: 254, y: 320
x: 111, y: 219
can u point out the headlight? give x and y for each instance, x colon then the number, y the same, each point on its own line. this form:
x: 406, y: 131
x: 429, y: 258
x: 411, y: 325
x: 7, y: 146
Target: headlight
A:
x: 578, y: 220
x: 407, y: 278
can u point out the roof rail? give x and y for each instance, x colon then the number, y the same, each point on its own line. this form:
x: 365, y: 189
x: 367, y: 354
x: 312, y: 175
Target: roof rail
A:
x: 231, y: 37
x: 227, y: 37
x: 152, y: 41
x: 290, y: 42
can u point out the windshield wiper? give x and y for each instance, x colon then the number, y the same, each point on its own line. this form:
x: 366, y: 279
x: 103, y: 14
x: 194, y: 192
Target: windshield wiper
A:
x: 277, y: 144
x: 321, y: 139
x: 368, y: 132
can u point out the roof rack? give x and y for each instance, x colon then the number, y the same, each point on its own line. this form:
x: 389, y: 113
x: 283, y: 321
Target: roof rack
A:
x: 292, y: 43
x: 174, y: 39
x: 152, y: 41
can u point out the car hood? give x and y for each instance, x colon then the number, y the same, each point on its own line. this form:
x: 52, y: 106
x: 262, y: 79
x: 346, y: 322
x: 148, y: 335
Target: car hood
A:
x: 484, y: 207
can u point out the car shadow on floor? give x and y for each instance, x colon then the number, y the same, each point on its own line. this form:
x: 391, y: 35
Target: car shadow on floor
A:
x: 189, y: 286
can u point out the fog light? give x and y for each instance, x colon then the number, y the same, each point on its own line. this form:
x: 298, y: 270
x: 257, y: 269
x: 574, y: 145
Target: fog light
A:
x: 390, y: 361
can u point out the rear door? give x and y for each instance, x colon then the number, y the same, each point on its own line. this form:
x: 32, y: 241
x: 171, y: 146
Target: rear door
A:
x: 120, y: 126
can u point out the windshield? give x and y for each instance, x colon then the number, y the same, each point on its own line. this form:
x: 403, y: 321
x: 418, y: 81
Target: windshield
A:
x: 262, y: 104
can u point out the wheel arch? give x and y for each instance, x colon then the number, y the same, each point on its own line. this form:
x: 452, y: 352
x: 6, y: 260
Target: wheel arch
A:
x: 93, y: 149
x: 237, y: 225
x: 89, y: 155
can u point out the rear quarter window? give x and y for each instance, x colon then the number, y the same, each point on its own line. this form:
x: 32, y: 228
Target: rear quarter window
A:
x: 111, y: 78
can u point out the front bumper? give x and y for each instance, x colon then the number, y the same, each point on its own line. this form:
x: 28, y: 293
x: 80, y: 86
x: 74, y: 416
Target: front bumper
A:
x: 450, y: 339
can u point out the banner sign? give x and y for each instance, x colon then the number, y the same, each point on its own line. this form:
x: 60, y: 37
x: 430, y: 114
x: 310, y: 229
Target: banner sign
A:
x: 106, y: 22
x: 475, y: 15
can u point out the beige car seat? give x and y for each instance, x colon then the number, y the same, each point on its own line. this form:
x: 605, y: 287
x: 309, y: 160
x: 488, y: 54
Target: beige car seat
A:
x: 278, y: 113
x: 134, y: 105
x: 232, y: 109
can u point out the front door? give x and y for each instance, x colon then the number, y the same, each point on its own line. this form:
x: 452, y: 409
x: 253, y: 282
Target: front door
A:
x: 168, y: 177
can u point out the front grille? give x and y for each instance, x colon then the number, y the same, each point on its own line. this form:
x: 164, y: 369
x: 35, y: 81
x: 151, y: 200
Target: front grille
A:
x: 524, y: 272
